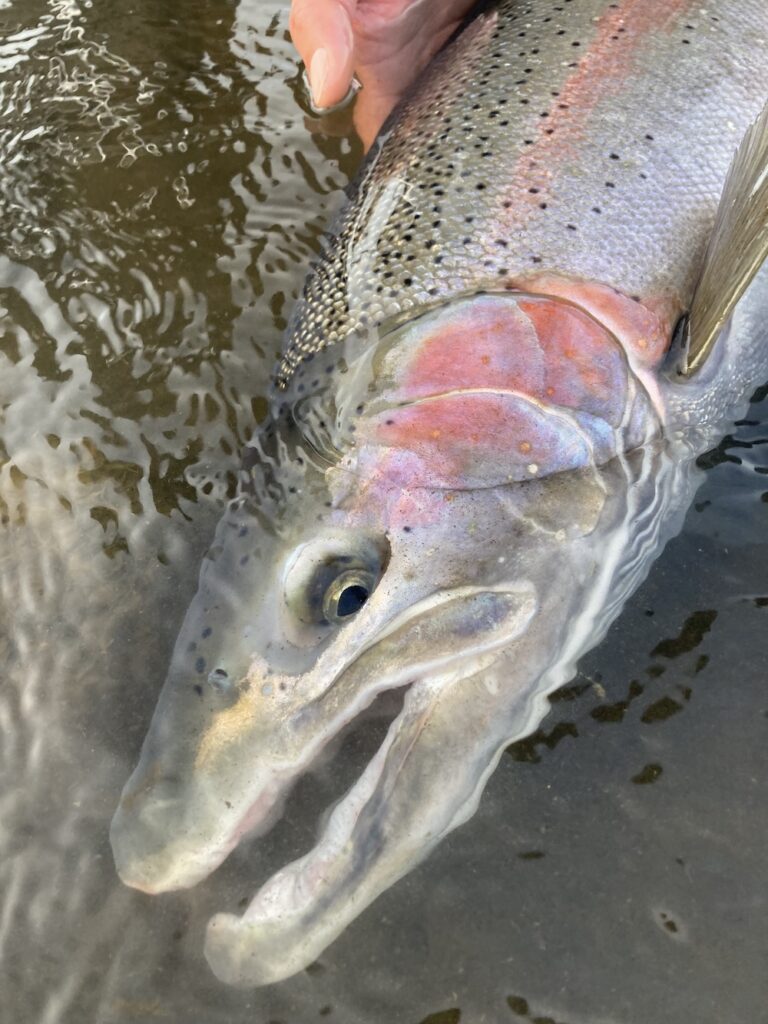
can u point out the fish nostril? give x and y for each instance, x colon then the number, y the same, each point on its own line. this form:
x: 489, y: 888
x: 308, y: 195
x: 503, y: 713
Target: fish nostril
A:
x: 219, y: 679
x: 223, y: 685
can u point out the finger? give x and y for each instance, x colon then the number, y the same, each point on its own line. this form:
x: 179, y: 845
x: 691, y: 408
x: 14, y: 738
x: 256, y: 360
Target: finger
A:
x: 372, y: 108
x: 322, y: 33
x: 425, y: 780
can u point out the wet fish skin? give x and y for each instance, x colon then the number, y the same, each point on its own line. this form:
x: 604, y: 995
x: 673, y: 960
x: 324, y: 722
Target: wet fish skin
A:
x: 503, y: 496
x: 593, y: 141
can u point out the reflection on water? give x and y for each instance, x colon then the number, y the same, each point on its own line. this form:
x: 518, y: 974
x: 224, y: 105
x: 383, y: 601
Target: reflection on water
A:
x: 161, y: 198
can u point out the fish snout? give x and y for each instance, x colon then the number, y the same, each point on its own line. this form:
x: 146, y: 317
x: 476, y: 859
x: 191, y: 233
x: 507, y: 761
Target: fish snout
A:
x: 151, y: 824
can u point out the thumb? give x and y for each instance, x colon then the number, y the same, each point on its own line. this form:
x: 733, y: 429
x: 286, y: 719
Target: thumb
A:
x: 322, y: 33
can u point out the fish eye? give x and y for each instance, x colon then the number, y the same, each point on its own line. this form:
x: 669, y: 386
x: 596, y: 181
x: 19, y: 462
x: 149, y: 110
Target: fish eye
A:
x: 347, y: 594
x: 330, y: 578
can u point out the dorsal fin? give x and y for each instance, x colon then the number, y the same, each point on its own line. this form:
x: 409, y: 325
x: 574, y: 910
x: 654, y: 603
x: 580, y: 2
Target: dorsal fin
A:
x: 738, y: 246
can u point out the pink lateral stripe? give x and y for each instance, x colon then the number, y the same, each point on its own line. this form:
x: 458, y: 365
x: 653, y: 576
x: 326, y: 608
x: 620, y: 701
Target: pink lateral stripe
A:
x: 603, y: 70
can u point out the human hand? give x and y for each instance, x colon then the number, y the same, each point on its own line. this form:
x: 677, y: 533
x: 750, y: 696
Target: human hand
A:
x: 386, y: 43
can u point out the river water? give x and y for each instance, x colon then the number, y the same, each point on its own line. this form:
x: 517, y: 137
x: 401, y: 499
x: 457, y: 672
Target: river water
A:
x: 162, y: 191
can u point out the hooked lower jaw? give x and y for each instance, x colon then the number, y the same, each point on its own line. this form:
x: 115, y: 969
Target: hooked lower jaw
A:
x: 393, y: 816
x: 302, y: 908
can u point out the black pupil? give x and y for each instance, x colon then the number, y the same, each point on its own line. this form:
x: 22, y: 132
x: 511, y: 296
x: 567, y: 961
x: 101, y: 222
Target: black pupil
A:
x: 351, y: 600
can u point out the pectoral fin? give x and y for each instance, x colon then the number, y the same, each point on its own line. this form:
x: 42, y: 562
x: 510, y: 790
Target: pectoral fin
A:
x: 737, y: 248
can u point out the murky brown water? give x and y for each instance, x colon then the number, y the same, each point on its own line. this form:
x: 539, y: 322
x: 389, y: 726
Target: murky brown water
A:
x: 161, y: 196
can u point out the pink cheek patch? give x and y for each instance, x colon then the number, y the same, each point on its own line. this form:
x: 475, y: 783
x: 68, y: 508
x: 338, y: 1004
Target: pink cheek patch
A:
x: 643, y: 328
x: 485, y: 343
x: 547, y: 350
x: 499, y: 388
x: 480, y: 439
x: 585, y: 368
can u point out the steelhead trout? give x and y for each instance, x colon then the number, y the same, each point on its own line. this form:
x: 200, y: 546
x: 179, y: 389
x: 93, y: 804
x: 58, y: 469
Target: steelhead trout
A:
x: 484, y: 428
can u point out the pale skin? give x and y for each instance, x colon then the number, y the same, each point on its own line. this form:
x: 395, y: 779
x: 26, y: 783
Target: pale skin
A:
x: 385, y: 43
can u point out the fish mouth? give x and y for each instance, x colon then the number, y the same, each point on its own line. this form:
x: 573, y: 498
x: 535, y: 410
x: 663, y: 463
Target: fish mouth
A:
x: 164, y: 840
x: 366, y: 844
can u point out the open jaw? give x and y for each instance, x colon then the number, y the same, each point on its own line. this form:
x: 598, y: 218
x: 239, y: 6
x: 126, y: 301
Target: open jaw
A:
x: 399, y: 808
x: 425, y: 778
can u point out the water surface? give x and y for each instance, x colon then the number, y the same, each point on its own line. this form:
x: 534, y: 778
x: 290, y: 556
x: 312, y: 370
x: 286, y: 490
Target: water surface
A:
x: 162, y: 192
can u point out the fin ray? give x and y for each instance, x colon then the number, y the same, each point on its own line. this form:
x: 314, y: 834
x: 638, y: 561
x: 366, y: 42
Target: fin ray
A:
x: 738, y: 245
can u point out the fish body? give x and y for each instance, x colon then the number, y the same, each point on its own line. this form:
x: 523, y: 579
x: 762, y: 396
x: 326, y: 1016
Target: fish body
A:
x: 477, y: 445
x: 592, y: 142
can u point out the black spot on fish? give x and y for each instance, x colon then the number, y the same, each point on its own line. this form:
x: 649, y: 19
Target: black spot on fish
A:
x: 206, y: 632
x: 198, y: 689
x: 200, y: 665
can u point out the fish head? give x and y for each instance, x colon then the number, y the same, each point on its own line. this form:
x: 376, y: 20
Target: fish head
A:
x: 443, y: 549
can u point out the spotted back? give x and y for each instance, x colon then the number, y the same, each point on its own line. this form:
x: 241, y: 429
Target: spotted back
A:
x: 577, y: 137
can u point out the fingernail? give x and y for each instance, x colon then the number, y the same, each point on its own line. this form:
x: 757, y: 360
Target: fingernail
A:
x: 318, y: 75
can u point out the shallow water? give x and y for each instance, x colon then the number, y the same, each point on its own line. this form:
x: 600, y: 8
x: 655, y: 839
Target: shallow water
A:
x: 162, y: 192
